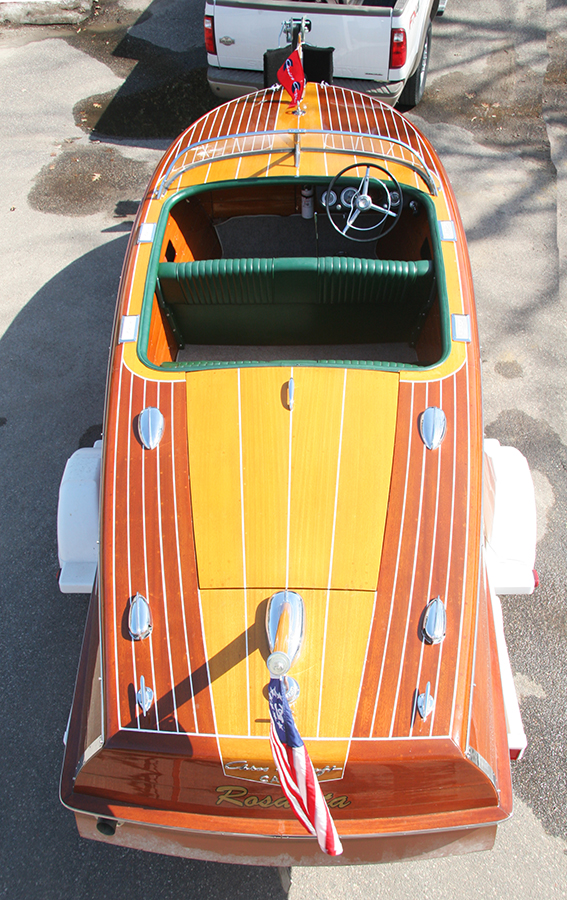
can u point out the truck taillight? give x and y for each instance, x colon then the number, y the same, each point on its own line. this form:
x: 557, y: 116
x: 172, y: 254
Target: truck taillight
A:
x: 399, y: 48
x: 210, y: 35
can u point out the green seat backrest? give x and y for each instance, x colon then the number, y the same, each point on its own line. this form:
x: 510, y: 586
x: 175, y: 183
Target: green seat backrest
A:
x: 213, y: 281
x: 295, y: 300
x: 377, y: 281
x: 328, y: 280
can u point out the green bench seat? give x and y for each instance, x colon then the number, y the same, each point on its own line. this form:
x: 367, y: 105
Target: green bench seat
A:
x: 295, y: 300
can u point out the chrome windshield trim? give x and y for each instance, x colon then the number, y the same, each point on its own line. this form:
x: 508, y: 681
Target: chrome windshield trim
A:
x: 297, y: 133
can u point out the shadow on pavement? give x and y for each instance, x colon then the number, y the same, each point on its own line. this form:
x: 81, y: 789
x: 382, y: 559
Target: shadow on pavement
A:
x: 53, y: 362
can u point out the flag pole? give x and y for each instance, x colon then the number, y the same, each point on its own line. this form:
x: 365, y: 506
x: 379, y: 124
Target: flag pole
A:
x: 298, y: 111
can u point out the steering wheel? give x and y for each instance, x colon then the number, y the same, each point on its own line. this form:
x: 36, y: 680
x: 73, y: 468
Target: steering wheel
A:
x: 386, y: 207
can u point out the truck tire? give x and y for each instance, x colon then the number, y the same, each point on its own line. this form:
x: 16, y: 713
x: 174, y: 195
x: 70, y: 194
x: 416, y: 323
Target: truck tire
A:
x: 415, y: 85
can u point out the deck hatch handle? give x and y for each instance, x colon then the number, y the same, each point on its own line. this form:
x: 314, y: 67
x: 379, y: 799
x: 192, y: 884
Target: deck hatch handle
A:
x: 290, y: 394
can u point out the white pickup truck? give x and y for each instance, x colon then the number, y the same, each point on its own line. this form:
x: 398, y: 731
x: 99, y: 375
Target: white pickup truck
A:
x: 380, y: 47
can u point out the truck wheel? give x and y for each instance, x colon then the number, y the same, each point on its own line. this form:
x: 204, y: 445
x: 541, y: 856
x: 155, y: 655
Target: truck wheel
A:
x: 415, y: 86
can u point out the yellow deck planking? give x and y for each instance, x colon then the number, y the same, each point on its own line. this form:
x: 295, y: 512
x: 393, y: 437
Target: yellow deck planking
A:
x: 214, y: 471
x: 237, y: 650
x: 364, y: 485
x: 237, y: 647
x: 265, y: 433
x: 315, y: 448
x: 225, y: 627
x: 325, y: 525
x: 349, y: 620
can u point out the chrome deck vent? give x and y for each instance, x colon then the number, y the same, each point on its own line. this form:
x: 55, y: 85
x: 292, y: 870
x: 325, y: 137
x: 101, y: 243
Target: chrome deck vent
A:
x: 140, y: 623
x: 150, y: 427
x: 432, y: 427
x: 434, y: 621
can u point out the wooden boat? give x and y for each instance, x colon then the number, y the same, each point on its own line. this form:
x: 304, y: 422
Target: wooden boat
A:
x: 294, y: 411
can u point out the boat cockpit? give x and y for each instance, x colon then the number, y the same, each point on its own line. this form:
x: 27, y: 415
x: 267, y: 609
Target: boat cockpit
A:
x: 330, y: 272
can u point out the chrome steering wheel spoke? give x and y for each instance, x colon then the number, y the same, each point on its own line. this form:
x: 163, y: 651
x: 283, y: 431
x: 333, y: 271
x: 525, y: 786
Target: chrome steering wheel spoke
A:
x: 352, y: 217
x: 380, y: 209
x: 363, y: 204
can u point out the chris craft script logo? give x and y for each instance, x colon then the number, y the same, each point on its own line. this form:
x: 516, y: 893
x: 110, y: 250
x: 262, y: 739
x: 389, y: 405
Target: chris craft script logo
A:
x: 242, y: 765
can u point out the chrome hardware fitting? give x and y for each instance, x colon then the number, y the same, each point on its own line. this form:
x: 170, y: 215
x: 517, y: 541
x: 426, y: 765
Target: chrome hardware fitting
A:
x: 278, y: 663
x: 146, y: 233
x: 140, y: 622
x: 290, y: 394
x: 285, y: 617
x: 461, y: 328
x: 447, y: 231
x: 425, y: 702
x: 434, y: 621
x: 482, y: 764
x: 292, y: 689
x: 150, y: 427
x: 432, y: 427
x: 128, y: 329
x: 145, y: 696
x: 299, y: 26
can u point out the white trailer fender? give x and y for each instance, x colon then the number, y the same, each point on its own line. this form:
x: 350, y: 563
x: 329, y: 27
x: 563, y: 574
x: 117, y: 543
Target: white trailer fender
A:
x: 509, y: 520
x: 517, y: 740
x: 78, y: 520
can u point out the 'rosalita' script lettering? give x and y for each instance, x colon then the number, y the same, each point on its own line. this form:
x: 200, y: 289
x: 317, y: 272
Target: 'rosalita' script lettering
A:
x: 239, y: 796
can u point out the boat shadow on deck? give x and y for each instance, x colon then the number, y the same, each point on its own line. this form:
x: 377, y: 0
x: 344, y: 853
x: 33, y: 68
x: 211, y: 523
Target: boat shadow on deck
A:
x: 246, y: 643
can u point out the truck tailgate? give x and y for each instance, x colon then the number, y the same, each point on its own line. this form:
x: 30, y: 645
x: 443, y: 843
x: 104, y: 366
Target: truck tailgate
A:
x: 360, y: 35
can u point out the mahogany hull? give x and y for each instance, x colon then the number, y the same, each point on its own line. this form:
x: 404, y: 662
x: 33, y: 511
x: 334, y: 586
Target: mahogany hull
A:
x: 293, y: 851
x: 341, y: 501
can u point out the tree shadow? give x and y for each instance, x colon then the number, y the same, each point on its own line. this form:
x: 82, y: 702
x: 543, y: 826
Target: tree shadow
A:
x: 167, y: 88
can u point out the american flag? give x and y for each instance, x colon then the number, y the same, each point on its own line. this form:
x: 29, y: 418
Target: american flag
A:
x: 297, y: 775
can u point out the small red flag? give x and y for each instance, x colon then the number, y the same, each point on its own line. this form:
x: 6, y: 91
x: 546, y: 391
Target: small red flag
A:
x: 292, y: 77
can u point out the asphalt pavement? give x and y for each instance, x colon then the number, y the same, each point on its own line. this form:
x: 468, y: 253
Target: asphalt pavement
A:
x: 85, y: 112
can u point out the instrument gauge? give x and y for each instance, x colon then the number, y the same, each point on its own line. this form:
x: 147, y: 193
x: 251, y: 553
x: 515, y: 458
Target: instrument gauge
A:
x: 346, y: 196
x: 332, y: 198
